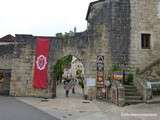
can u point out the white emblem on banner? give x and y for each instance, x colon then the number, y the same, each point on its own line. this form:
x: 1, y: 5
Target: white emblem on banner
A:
x: 41, y: 62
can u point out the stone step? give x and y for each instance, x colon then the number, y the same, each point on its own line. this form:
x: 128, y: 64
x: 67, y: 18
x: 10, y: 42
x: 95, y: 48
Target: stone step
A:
x: 130, y: 90
x: 131, y: 83
x: 137, y: 97
x: 131, y: 93
x: 130, y: 87
x: 154, y: 100
x: 133, y: 101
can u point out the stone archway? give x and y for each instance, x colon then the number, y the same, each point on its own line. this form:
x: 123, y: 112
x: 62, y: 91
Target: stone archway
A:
x: 69, y: 46
x: 23, y: 62
x: 66, y: 68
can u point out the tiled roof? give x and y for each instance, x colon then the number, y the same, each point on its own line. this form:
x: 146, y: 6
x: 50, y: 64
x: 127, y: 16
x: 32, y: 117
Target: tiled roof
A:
x: 7, y: 38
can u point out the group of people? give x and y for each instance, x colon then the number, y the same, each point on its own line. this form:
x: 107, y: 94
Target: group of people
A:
x: 70, y: 80
x: 69, y: 84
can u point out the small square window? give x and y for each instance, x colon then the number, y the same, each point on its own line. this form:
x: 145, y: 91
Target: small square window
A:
x: 146, y: 41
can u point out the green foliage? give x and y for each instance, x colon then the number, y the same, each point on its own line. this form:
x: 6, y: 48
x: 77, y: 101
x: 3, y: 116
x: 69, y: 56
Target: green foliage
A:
x: 120, y: 67
x: 124, y: 69
x: 130, y: 77
x: 63, y: 36
x: 59, y: 35
x: 60, y: 65
x: 79, y: 74
x: 80, y: 77
x: 81, y: 84
x: 116, y: 67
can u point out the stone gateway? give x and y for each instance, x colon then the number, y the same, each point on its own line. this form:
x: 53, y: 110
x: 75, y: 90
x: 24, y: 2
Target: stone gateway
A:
x: 125, y: 32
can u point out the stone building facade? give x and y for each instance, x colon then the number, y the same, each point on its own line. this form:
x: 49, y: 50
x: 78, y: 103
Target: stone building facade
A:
x: 125, y: 25
x: 24, y: 59
x: 130, y: 31
x: 144, y: 20
x: 125, y: 32
x: 6, y: 55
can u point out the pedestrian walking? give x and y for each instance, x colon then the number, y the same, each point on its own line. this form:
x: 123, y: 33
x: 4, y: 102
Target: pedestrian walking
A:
x: 73, y: 83
x: 67, y: 87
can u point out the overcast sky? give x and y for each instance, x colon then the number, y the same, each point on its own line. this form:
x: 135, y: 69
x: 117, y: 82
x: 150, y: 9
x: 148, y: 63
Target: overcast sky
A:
x: 42, y: 17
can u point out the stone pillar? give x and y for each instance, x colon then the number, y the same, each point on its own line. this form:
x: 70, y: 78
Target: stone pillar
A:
x: 114, y: 94
x: 121, y: 95
x: 117, y: 93
x: 147, y: 92
x: 90, y: 72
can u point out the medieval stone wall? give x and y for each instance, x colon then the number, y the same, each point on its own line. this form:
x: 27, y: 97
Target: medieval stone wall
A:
x: 6, y: 60
x: 109, y: 31
x: 24, y: 59
x: 119, y: 29
x: 144, y: 19
x: 6, y: 56
x: 114, y: 31
x: 77, y: 45
x: 124, y: 22
x: 23, y: 68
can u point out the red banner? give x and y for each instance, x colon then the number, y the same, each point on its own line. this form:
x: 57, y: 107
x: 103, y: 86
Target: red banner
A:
x: 41, y: 63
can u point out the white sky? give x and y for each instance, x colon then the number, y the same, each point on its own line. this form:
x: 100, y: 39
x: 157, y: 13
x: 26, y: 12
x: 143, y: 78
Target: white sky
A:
x: 42, y: 17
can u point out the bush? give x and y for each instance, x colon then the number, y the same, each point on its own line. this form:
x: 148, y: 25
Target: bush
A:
x: 130, y: 77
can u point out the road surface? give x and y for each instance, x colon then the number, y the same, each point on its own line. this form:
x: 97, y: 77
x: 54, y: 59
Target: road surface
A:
x: 12, y: 109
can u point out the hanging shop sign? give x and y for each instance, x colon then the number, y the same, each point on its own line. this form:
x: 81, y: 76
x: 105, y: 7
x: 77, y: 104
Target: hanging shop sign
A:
x: 100, y: 77
x: 100, y: 71
x: 117, y: 76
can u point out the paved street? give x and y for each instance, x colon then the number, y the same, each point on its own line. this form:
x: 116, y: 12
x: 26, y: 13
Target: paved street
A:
x: 72, y: 108
x: 12, y: 109
x: 78, y: 109
x: 75, y: 108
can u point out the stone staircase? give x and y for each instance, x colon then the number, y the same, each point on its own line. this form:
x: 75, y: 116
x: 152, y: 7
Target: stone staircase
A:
x: 131, y: 94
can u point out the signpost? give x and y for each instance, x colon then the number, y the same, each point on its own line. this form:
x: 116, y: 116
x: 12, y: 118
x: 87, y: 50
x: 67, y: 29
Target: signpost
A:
x: 100, y: 77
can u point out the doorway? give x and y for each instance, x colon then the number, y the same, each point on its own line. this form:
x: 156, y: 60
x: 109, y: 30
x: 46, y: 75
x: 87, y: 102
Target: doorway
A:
x: 5, y: 78
x: 69, y: 69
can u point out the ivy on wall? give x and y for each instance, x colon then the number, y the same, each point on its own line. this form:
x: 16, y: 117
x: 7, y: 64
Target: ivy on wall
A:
x: 60, y: 65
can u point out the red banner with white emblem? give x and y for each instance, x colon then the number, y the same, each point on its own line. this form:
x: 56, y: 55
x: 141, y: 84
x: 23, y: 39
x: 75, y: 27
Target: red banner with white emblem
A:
x: 41, y: 63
